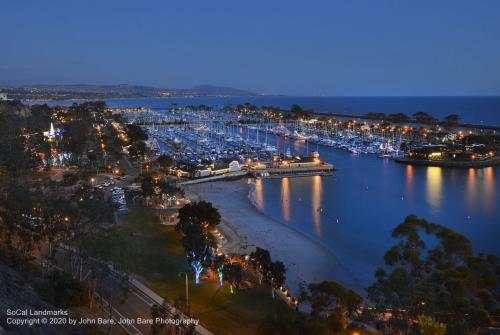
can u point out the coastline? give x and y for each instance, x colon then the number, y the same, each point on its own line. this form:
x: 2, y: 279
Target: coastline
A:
x: 329, y: 112
x: 452, y: 164
x: 244, y: 228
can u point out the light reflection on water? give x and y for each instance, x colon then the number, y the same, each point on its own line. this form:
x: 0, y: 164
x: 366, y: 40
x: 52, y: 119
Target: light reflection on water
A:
x: 354, y: 211
x: 480, y: 190
x: 316, y: 204
x: 285, y: 198
x: 470, y: 189
x: 488, y: 189
x: 259, y: 194
x: 409, y: 182
x: 479, y: 193
x: 434, y: 187
x: 409, y: 178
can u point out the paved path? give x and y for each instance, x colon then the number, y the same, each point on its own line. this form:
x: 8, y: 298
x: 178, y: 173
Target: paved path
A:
x: 138, y: 302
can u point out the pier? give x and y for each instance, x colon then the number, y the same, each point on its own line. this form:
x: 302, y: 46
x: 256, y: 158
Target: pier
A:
x: 227, y: 176
x: 324, y: 169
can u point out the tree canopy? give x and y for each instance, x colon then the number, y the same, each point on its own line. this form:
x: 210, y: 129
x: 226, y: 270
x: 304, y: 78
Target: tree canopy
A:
x: 433, y: 271
x: 198, y: 213
x: 329, y: 297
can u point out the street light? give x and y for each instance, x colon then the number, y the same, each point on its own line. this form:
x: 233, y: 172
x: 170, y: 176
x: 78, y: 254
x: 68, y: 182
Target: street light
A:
x: 272, y: 287
x: 187, y: 287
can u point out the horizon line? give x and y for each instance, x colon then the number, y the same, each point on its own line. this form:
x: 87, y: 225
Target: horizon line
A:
x: 261, y: 94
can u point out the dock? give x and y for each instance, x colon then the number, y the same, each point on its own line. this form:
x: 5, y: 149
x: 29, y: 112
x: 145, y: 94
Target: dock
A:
x: 271, y: 172
x: 226, y: 176
x: 324, y: 169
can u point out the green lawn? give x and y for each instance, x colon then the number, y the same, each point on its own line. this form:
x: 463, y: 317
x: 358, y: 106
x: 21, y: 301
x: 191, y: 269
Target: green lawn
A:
x: 155, y: 254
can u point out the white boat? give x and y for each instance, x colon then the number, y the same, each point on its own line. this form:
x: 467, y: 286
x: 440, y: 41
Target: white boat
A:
x: 299, y: 136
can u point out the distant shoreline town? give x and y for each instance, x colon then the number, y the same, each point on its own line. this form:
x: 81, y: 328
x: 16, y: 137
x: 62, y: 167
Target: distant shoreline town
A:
x: 97, y: 92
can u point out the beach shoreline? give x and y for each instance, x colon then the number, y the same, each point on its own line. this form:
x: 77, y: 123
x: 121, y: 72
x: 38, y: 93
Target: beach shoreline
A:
x: 244, y: 228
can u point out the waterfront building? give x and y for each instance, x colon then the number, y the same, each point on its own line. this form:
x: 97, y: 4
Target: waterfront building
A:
x: 203, y: 172
x: 219, y: 168
x: 304, y: 162
x: 234, y: 166
x: 441, y: 152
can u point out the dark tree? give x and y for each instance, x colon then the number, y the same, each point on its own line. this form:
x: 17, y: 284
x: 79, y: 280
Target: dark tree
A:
x: 332, y: 303
x: 147, y: 186
x: 261, y: 260
x: 445, y: 280
x: 40, y: 118
x: 297, y: 112
x: 277, y: 272
x: 164, y: 161
x: 399, y: 117
x: 452, y: 120
x: 422, y: 117
x: 233, y: 274
x: 136, y: 133
x: 286, y: 321
x: 329, y: 297
x: 198, y: 245
x: 199, y: 213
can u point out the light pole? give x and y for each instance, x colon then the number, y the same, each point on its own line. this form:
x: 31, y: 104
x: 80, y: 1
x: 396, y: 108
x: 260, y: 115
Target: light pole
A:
x: 272, y: 287
x: 187, y: 287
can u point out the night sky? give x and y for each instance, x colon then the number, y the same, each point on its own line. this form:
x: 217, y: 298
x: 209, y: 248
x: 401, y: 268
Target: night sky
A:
x: 351, y: 47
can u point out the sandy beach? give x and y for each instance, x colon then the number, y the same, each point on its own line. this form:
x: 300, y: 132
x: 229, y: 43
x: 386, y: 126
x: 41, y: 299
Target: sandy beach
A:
x: 244, y: 228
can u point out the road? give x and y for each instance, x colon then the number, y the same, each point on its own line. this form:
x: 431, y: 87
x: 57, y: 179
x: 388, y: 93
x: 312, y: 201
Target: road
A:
x: 138, y: 300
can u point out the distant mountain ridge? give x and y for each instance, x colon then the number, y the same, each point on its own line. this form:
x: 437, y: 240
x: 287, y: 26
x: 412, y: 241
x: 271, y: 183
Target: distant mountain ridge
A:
x: 219, y: 90
x: 84, y: 91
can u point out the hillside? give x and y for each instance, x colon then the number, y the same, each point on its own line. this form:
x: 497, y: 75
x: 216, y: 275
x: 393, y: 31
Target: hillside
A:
x: 17, y: 293
x: 94, y: 92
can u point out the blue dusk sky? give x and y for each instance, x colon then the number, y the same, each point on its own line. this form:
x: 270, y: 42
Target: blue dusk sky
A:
x: 350, y: 47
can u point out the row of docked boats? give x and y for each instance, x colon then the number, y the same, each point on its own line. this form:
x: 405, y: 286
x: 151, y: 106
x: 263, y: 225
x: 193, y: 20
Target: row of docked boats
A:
x: 217, y: 134
x: 348, y: 140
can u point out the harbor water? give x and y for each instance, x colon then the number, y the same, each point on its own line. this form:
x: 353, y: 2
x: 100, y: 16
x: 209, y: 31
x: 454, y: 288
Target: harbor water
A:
x: 353, y: 212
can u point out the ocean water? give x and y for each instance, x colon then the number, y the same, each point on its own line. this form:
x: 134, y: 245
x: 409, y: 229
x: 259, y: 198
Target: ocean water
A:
x: 476, y: 110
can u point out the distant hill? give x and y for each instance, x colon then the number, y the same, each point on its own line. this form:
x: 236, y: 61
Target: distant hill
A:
x: 80, y: 91
x: 209, y: 90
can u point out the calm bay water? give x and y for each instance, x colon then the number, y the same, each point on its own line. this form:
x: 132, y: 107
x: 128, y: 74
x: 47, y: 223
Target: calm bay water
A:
x: 354, y: 211
x: 477, y: 110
